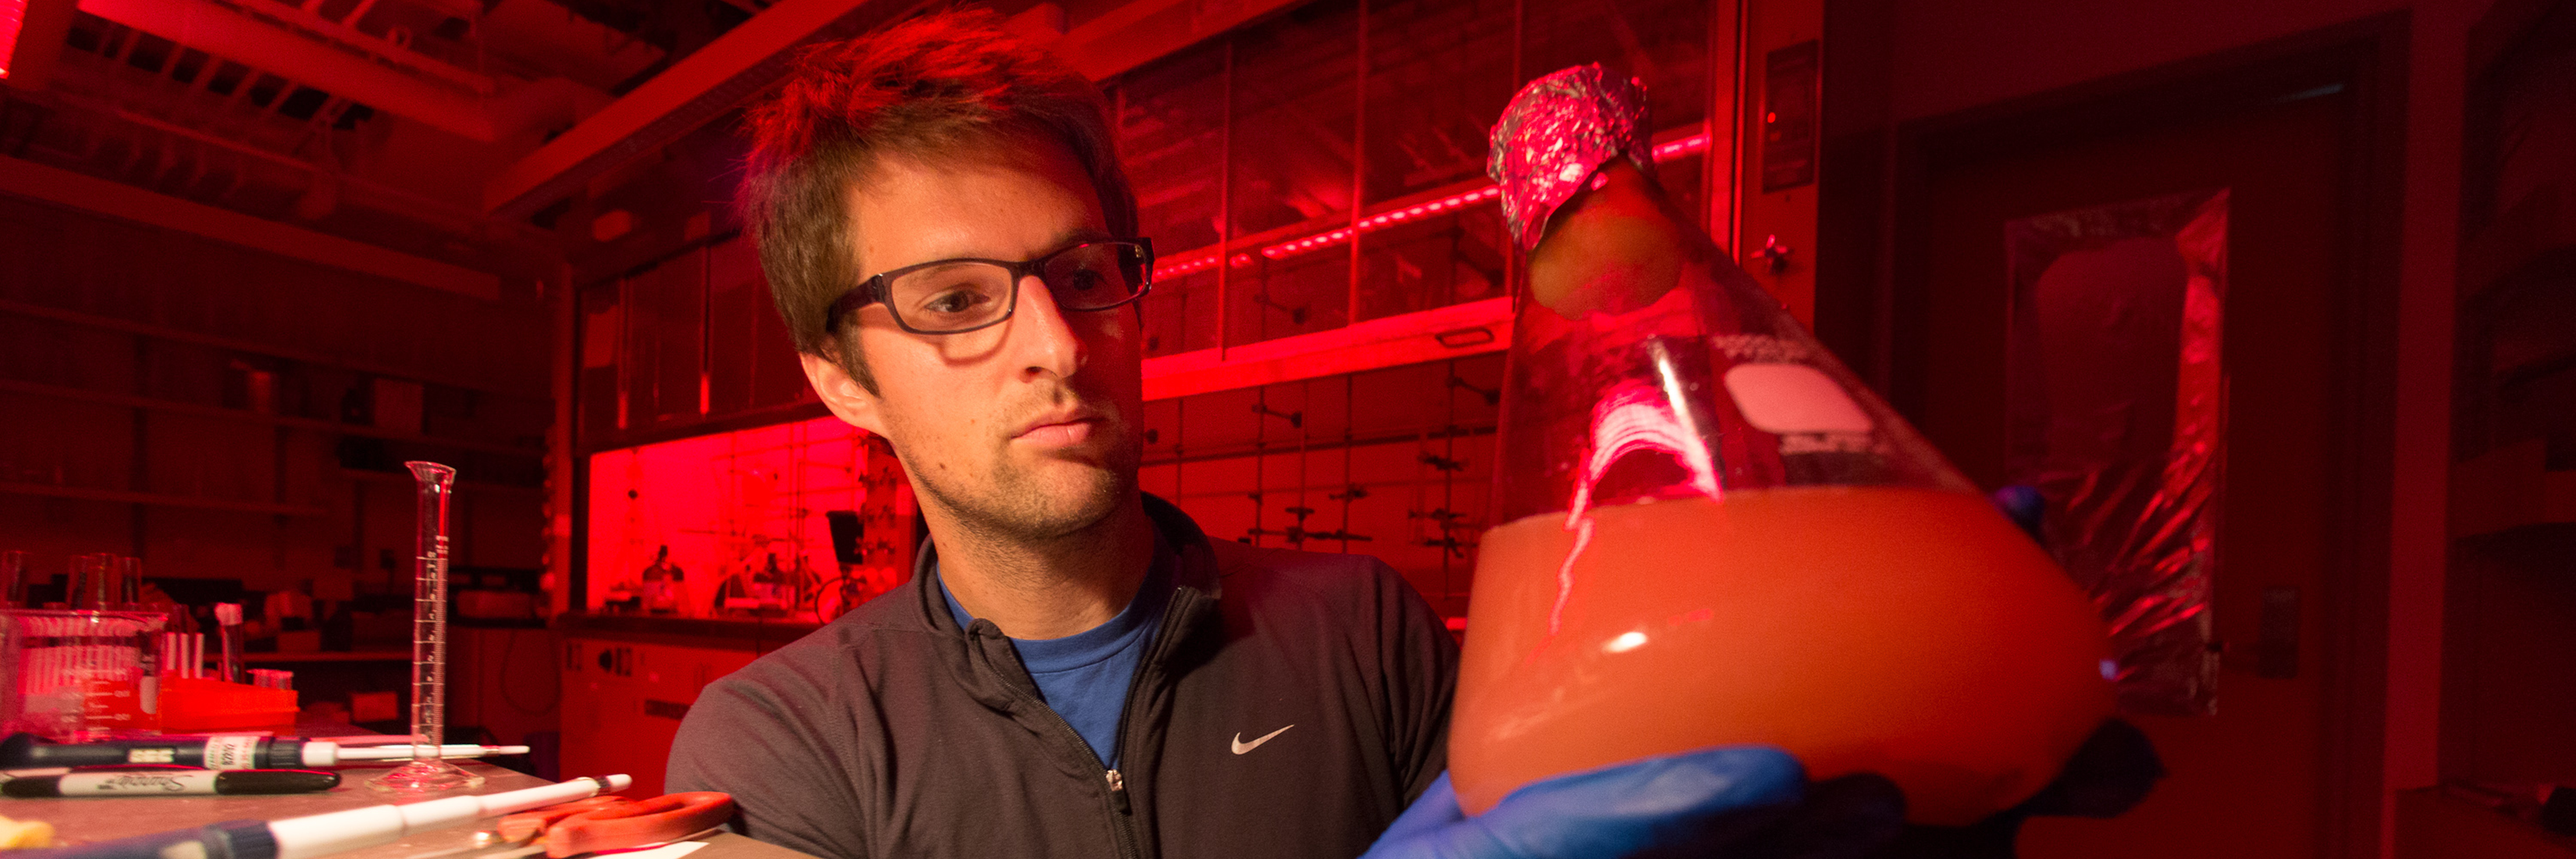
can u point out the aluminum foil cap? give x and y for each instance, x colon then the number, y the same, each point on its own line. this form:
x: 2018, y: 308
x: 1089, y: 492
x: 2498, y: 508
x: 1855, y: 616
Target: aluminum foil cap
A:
x: 1556, y: 132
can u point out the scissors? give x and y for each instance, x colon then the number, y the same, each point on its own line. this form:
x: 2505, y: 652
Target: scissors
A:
x: 597, y: 824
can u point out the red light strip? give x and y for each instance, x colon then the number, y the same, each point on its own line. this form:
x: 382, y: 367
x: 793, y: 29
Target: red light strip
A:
x: 1283, y: 250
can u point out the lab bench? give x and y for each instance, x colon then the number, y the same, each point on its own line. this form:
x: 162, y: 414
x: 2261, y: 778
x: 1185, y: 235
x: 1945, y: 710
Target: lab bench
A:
x: 90, y: 819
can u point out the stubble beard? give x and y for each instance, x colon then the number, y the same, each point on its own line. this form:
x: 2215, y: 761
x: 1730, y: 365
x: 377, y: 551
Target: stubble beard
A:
x: 1018, y: 506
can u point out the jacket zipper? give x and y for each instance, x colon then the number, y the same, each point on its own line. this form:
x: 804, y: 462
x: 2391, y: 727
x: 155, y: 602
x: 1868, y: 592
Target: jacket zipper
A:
x: 1122, y: 823
x: 1148, y: 673
x: 1121, y: 809
x: 1118, y: 794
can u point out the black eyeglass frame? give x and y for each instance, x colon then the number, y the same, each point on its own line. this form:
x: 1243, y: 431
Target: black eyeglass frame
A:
x: 879, y: 288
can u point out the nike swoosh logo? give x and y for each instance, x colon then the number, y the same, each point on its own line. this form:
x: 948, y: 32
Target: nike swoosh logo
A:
x: 1240, y: 746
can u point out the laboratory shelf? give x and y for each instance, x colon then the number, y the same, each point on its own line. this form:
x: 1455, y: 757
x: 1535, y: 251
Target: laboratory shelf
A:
x: 177, y: 335
x: 157, y: 499
x: 328, y: 656
x: 201, y: 410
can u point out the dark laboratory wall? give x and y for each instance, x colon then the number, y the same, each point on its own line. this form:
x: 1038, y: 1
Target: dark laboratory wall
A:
x: 232, y: 415
x: 2509, y: 661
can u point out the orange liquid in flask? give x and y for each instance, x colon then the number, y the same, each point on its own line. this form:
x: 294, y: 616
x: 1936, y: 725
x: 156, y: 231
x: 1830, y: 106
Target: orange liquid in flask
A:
x: 1909, y: 632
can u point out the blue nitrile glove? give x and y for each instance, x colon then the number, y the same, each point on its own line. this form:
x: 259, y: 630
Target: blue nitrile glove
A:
x: 1729, y: 801
x: 2025, y: 507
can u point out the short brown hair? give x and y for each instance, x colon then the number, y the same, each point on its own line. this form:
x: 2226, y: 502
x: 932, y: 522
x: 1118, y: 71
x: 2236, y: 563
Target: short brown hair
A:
x: 930, y: 87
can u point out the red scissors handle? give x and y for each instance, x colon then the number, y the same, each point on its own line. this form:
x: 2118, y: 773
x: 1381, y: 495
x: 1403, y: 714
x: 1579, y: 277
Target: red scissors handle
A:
x: 525, y: 825
x: 639, y: 824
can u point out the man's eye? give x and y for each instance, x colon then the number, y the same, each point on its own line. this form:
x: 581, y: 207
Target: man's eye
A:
x: 955, y: 301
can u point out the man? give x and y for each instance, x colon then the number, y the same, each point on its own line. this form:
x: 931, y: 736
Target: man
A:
x: 1075, y: 670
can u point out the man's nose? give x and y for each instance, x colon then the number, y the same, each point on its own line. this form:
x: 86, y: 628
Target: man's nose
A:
x: 1041, y: 339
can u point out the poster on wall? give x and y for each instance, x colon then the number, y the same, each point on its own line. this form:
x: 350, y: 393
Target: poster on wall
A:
x: 2116, y: 407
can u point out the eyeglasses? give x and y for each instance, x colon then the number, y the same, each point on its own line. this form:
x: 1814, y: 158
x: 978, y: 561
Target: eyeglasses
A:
x: 954, y: 296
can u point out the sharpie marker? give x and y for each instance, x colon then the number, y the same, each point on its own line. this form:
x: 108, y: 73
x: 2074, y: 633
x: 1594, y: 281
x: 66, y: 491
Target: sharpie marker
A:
x: 243, y: 752
x: 332, y: 832
x: 169, y: 782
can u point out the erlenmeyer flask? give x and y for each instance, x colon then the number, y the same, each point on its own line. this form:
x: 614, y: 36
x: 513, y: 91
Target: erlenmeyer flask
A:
x: 1711, y: 533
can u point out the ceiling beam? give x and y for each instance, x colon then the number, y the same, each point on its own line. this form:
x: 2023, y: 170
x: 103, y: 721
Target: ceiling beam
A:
x: 1143, y: 30
x: 699, y: 87
x: 116, y: 199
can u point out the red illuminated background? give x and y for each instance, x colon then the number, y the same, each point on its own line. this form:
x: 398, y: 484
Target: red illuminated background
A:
x: 256, y: 253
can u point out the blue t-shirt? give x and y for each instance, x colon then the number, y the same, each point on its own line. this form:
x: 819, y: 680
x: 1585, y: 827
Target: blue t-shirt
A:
x: 1084, y: 676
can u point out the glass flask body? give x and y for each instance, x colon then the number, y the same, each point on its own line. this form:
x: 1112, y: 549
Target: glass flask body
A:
x: 1709, y: 533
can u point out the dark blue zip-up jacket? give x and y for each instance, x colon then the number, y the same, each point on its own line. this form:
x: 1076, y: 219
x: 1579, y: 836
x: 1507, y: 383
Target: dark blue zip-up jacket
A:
x: 893, y: 732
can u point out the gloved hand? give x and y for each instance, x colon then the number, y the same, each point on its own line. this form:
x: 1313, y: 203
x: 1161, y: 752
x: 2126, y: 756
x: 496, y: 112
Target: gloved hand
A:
x: 2109, y: 774
x: 1729, y: 801
x: 2025, y: 507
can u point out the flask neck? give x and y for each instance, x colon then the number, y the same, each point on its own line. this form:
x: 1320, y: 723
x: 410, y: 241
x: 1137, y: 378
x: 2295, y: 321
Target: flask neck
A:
x: 1618, y: 245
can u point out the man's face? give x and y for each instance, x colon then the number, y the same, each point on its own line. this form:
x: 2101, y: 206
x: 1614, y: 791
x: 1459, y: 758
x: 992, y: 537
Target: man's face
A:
x: 1023, y: 430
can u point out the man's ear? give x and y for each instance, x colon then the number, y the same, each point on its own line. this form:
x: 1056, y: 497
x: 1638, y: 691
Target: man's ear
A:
x: 843, y: 395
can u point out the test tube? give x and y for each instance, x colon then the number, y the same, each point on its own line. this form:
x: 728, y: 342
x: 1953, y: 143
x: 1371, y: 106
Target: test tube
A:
x: 228, y: 620
x: 13, y: 579
x: 129, y: 582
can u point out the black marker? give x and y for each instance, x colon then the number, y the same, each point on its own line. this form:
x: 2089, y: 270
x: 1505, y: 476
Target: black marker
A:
x: 168, y: 782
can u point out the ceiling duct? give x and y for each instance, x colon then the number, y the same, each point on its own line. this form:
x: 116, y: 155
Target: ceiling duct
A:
x: 749, y: 58
x: 697, y: 88
x: 444, y: 102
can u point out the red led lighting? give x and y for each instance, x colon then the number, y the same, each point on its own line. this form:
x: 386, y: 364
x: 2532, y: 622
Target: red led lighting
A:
x: 1376, y: 222
x: 1678, y: 148
x: 1196, y: 262
x: 13, y: 15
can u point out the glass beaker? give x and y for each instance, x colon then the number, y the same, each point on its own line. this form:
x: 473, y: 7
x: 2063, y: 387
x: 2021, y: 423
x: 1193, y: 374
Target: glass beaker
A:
x: 73, y: 675
x: 1711, y: 533
x: 92, y: 582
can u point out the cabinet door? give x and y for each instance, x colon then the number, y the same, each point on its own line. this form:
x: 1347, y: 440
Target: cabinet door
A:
x: 623, y: 702
x: 736, y: 299
x: 1778, y: 140
x: 669, y: 334
x: 599, y: 390
x: 777, y: 378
